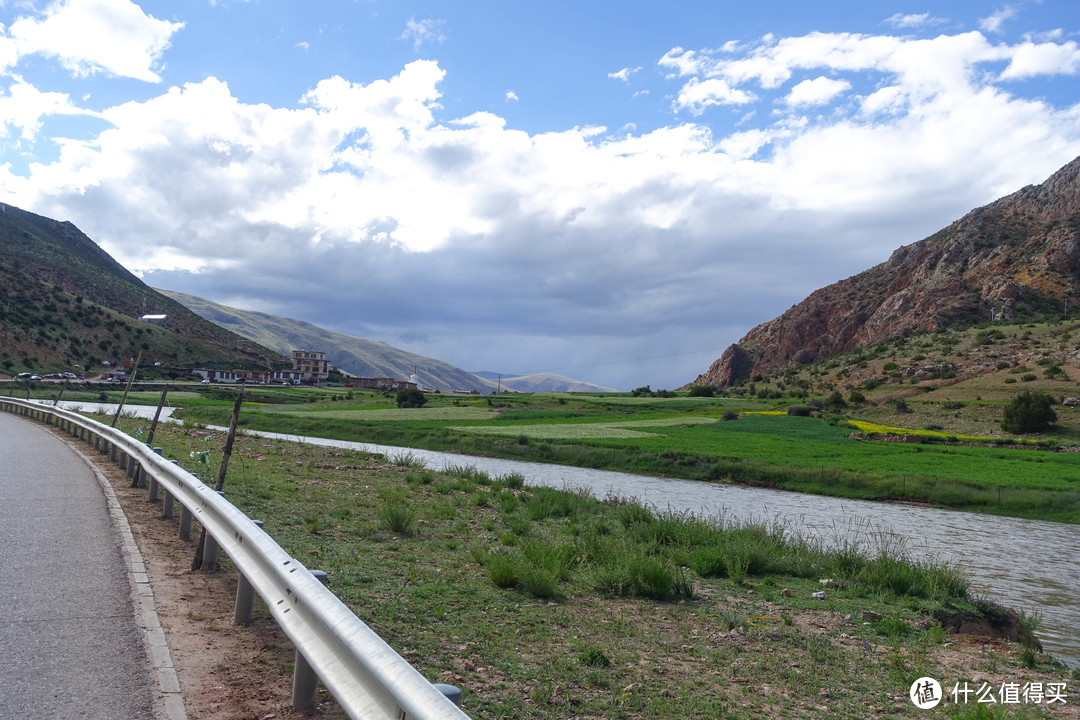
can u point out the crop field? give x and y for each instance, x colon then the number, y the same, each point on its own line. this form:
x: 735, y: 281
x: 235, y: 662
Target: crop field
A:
x: 690, y: 438
x: 424, y: 414
x: 625, y: 429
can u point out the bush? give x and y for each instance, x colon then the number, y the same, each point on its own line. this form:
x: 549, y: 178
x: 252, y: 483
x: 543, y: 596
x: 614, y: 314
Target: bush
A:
x: 411, y: 398
x: 1029, y: 412
x: 798, y: 411
x: 702, y: 391
x: 729, y: 415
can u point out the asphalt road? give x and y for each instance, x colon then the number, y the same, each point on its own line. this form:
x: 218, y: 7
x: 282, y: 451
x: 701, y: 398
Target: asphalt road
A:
x: 69, y: 644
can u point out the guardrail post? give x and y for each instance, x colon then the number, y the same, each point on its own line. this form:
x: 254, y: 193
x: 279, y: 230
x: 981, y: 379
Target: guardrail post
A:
x: 210, y: 548
x: 113, y: 452
x: 154, y: 486
x: 304, y: 678
x: 133, y: 466
x: 185, y: 522
x: 245, y: 595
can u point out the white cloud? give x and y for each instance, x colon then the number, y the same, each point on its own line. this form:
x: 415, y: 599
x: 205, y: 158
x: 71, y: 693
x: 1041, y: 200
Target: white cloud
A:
x: 697, y: 95
x: 420, y: 32
x: 511, y: 96
x: 994, y: 22
x: 24, y: 106
x: 818, y: 91
x: 1029, y: 59
x: 91, y: 36
x: 913, y: 20
x: 624, y: 74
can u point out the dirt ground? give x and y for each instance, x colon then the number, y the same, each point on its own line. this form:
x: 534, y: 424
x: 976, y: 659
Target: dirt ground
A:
x: 226, y: 672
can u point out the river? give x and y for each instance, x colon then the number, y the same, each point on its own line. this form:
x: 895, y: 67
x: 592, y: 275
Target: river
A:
x: 1025, y: 564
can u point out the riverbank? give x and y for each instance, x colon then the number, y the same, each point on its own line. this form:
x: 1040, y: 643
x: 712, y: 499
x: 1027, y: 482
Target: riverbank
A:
x: 683, y: 437
x: 759, y: 449
x: 542, y: 603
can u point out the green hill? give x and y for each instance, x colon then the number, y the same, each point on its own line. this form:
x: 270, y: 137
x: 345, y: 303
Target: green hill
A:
x: 65, y: 303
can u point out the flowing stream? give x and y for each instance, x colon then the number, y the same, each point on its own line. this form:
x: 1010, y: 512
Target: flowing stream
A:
x: 1025, y: 564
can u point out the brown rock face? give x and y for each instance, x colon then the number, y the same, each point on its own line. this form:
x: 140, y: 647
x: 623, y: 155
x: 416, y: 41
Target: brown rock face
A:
x: 1016, y: 256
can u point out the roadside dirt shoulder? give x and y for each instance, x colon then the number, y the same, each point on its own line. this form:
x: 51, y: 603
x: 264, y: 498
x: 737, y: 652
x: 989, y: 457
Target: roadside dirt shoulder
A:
x: 226, y: 672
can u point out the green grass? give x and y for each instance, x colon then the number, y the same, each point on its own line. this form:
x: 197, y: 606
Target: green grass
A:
x: 763, y: 447
x: 540, y: 603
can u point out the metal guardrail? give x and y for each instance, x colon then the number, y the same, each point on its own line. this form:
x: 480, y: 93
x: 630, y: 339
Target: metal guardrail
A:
x: 364, y: 674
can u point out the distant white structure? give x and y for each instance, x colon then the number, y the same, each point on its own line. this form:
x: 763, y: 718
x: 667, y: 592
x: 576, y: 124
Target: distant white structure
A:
x: 153, y: 319
x: 415, y: 380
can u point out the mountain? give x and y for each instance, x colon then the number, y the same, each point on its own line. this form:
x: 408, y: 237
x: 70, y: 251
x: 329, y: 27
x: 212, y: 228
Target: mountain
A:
x: 67, y: 303
x: 542, y: 382
x: 1016, y: 257
x: 358, y: 356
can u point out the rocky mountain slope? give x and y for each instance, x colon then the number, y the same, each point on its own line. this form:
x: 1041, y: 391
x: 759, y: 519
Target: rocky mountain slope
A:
x: 1016, y: 257
x: 359, y: 356
x: 66, y: 302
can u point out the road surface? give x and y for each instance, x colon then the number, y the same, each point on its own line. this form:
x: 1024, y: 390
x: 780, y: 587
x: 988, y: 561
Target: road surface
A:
x: 70, y: 646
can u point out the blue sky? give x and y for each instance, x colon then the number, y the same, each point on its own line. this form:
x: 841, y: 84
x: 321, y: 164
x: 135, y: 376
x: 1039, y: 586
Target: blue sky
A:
x: 615, y: 191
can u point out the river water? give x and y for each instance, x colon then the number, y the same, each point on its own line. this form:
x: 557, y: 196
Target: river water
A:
x: 1025, y: 564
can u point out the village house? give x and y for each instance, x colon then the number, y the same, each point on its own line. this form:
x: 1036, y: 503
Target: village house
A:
x: 312, y: 364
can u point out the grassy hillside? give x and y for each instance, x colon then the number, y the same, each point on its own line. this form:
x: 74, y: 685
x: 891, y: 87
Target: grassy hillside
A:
x: 65, y: 302
x: 953, y: 381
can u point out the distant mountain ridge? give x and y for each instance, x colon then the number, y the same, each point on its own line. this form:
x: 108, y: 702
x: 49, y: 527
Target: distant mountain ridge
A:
x: 542, y: 382
x: 359, y: 356
x: 1017, y: 256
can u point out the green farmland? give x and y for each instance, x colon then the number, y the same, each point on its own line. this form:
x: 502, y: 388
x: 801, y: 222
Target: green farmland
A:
x: 687, y: 438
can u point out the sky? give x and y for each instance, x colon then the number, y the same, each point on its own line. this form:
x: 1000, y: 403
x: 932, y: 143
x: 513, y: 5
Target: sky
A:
x: 610, y: 191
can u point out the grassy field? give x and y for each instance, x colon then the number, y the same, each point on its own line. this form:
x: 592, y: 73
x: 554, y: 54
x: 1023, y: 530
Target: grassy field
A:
x: 545, y: 604
x: 686, y: 437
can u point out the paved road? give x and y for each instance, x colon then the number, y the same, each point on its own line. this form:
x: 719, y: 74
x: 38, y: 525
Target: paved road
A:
x: 69, y: 644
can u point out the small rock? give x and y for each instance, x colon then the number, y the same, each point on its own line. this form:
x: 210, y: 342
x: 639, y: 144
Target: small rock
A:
x: 786, y: 592
x: 818, y: 595
x: 871, y: 615
x: 848, y: 618
x: 827, y: 581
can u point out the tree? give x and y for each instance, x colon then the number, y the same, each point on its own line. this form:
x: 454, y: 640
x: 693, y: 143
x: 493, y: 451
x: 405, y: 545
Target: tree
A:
x: 411, y: 398
x: 702, y: 391
x: 1029, y: 412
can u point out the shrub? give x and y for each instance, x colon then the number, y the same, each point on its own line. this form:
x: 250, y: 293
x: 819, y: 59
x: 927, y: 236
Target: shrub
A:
x: 411, y: 398
x: 1028, y: 412
x: 702, y: 391
x: 729, y: 415
x: 798, y: 411
x: 856, y: 397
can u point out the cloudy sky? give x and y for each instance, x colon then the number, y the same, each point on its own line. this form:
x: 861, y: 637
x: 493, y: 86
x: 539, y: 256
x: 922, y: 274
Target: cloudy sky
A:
x: 613, y: 191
